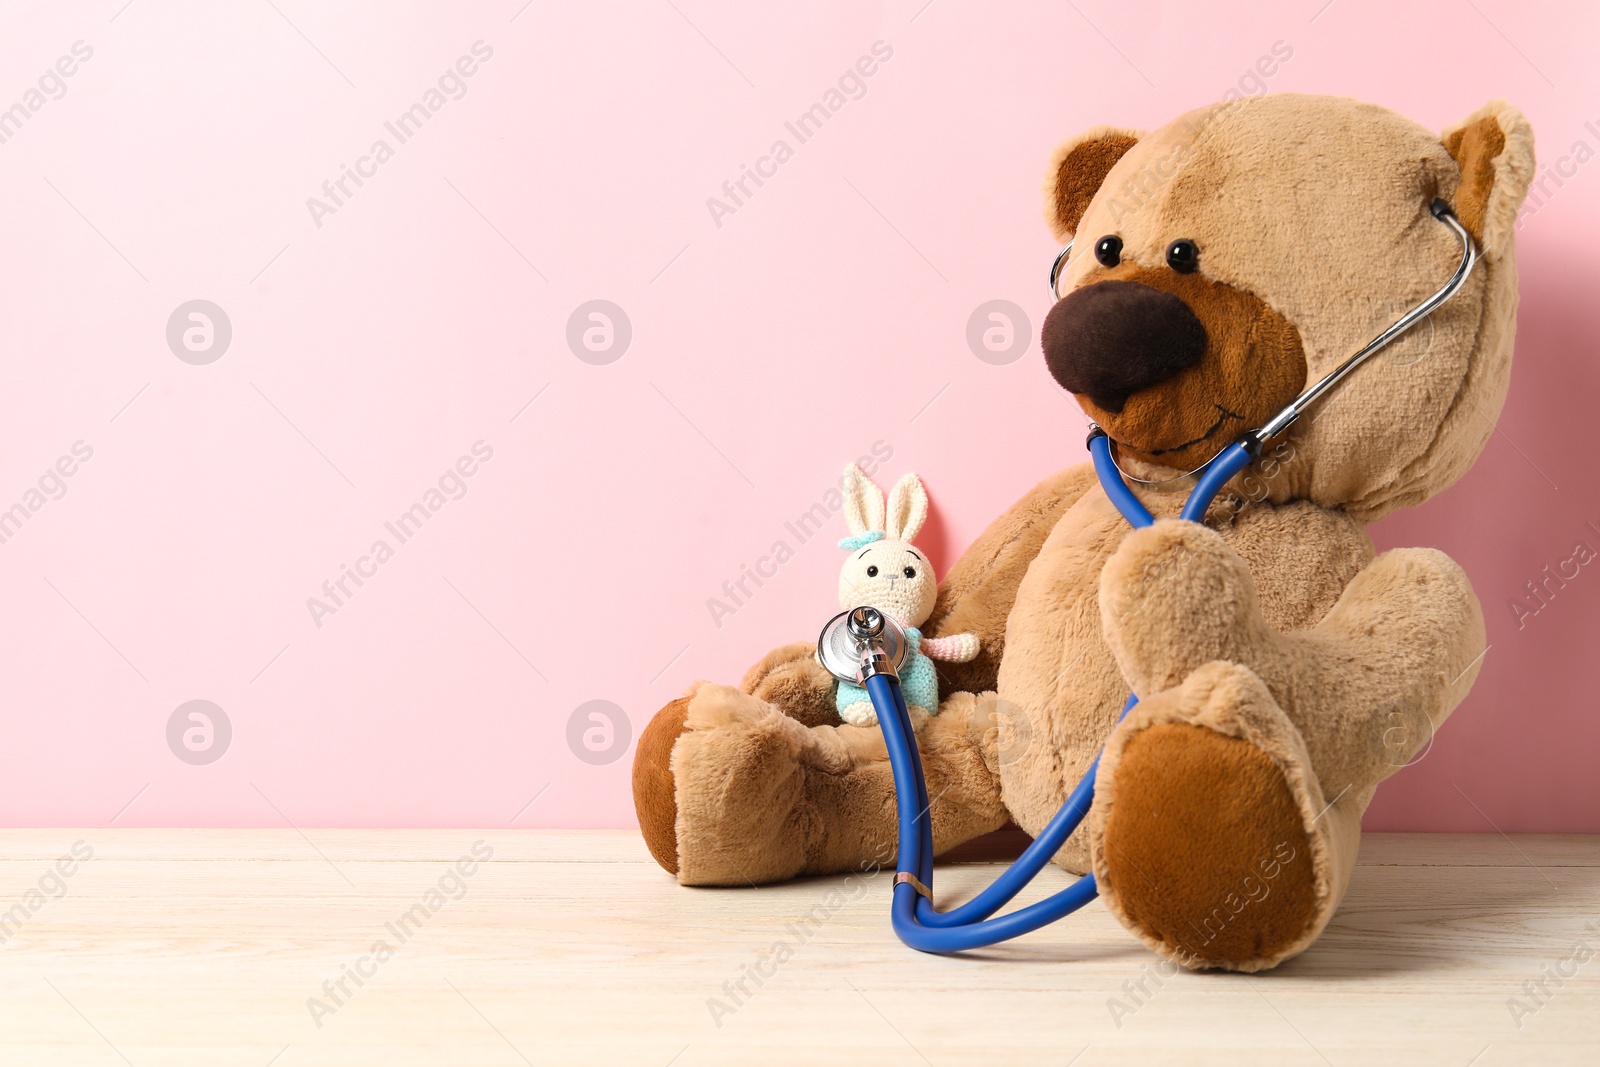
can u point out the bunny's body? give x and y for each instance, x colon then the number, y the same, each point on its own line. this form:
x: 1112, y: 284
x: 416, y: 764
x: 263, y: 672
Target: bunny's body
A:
x: 918, y: 682
x: 885, y: 572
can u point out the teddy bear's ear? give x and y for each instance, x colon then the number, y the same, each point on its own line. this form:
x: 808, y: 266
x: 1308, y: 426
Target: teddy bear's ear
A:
x: 908, y: 508
x: 1077, y: 169
x: 1493, y: 148
x: 863, y: 501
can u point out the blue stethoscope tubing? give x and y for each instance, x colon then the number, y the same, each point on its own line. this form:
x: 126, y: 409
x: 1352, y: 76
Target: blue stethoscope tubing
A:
x: 970, y: 925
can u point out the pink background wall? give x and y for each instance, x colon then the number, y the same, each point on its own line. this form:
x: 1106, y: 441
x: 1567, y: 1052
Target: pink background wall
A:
x: 374, y: 346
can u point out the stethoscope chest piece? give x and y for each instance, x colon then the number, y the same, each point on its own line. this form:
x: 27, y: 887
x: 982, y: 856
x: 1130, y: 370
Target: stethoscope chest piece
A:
x: 839, y: 647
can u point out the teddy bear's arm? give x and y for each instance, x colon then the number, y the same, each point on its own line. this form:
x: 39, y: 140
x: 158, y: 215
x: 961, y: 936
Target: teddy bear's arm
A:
x: 1254, y: 750
x: 979, y: 590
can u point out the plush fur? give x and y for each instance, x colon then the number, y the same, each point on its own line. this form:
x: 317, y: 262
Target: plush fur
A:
x: 1283, y: 669
x: 1076, y: 171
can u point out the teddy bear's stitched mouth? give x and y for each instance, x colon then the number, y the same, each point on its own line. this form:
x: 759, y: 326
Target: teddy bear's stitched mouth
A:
x: 1221, y: 419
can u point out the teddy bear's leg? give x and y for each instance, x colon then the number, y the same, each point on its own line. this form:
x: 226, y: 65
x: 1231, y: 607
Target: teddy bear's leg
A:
x: 1210, y: 834
x: 731, y: 790
x: 1245, y: 739
x: 761, y: 798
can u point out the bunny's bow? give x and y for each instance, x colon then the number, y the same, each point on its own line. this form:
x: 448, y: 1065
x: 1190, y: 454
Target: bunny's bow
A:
x: 861, y: 540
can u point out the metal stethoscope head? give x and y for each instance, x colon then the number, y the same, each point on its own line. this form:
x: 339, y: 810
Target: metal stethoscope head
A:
x: 861, y: 642
x: 1295, y: 408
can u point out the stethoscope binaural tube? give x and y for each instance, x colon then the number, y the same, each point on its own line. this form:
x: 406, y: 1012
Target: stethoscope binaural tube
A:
x: 1324, y: 385
x: 970, y: 925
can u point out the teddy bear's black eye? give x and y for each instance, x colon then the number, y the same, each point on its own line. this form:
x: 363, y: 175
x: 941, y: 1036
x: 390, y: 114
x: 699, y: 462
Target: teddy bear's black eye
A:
x: 1183, y: 256
x: 1108, y: 250
x: 911, y: 572
x: 872, y: 572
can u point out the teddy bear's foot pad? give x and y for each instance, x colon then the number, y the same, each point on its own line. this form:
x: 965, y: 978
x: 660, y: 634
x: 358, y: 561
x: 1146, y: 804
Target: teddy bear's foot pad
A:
x: 1205, y: 848
x: 654, y: 795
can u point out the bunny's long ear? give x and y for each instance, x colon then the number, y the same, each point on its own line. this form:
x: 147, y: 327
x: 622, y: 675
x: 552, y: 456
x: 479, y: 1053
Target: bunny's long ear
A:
x: 908, y: 508
x: 863, y: 501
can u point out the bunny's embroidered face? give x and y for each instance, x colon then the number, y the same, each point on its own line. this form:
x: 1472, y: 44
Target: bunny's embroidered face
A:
x: 891, y: 576
x: 884, y: 571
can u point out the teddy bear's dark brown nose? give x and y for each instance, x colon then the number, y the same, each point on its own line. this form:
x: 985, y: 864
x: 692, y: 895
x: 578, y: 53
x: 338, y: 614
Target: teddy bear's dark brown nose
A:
x: 1110, y: 339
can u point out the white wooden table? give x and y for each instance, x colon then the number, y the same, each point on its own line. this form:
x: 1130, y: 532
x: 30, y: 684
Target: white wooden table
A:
x: 228, y: 948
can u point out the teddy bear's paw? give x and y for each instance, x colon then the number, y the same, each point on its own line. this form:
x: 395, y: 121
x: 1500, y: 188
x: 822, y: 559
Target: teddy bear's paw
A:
x: 791, y: 680
x: 1174, y: 596
x: 859, y: 713
x: 1205, y: 830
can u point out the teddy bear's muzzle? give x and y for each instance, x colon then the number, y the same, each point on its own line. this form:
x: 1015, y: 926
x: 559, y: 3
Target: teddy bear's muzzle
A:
x: 1112, y: 339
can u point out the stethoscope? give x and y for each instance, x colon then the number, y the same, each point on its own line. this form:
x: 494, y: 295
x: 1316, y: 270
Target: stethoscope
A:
x: 868, y: 648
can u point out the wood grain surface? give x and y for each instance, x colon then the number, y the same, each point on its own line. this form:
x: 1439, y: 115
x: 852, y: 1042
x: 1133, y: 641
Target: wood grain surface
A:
x: 180, y: 947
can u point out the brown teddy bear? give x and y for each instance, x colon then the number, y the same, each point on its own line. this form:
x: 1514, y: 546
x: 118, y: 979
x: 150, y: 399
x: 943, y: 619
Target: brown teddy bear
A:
x: 1284, y: 669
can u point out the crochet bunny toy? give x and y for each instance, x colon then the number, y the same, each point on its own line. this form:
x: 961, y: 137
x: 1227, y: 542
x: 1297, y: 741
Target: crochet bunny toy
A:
x: 886, y: 573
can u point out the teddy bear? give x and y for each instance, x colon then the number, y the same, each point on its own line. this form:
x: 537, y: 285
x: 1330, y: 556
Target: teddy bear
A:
x: 886, y: 572
x: 1283, y: 667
